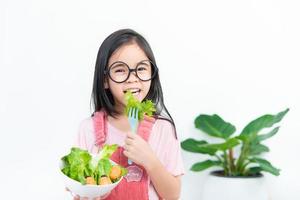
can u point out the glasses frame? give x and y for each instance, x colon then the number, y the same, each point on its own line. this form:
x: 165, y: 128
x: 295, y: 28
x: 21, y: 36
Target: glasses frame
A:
x: 153, y: 66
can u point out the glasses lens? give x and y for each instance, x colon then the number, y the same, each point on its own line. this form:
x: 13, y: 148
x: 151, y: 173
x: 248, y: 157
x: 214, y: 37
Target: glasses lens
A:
x: 119, y: 72
x: 144, y: 70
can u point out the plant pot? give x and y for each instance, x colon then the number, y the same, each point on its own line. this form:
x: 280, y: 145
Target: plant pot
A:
x: 219, y: 187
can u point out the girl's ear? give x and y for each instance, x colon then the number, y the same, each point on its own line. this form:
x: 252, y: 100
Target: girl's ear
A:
x: 106, y: 84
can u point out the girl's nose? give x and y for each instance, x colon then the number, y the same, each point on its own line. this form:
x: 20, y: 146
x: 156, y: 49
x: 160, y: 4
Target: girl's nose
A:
x: 132, y: 77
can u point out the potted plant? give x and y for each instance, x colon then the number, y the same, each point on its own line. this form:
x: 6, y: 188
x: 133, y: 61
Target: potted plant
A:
x: 238, y: 157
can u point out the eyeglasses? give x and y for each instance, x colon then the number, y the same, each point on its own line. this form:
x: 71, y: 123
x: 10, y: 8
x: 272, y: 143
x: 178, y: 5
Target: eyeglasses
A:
x: 119, y: 71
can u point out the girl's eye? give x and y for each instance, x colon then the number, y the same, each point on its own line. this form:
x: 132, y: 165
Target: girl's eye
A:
x: 119, y: 70
x: 142, y: 69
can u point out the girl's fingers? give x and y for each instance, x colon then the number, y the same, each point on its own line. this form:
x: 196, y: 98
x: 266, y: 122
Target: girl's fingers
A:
x: 81, y: 198
x: 76, y: 197
x: 128, y: 141
x: 126, y: 153
x: 84, y: 198
x: 131, y: 135
x: 128, y: 148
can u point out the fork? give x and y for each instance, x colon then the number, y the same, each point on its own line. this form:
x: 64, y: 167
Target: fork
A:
x: 133, y: 115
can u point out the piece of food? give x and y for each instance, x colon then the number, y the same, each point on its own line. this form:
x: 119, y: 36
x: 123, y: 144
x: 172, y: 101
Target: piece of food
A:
x: 77, y: 164
x: 145, y: 108
x: 107, y: 151
x: 104, y: 180
x: 90, y: 181
x: 115, y: 172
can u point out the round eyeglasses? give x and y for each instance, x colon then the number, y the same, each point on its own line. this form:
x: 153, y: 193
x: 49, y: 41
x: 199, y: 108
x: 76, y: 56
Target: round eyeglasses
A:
x: 119, y: 71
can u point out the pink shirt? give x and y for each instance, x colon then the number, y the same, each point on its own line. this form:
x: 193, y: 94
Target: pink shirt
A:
x: 162, y: 141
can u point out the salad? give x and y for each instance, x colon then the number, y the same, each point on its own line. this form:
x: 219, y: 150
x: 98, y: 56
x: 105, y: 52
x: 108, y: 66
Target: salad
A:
x: 93, y: 170
x: 144, y: 108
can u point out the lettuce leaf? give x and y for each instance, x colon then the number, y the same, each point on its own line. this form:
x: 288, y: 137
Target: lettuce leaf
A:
x: 145, y: 108
x: 77, y: 164
x: 107, y: 151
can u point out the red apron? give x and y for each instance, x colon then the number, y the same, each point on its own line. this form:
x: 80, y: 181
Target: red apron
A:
x: 135, y: 190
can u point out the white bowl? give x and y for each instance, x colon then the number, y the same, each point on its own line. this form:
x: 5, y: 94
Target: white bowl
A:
x: 89, y: 191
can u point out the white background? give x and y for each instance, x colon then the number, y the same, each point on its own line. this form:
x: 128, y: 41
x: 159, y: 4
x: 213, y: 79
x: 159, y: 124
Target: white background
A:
x: 236, y: 58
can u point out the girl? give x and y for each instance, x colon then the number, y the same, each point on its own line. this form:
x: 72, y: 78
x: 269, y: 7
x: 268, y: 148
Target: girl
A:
x: 125, y: 62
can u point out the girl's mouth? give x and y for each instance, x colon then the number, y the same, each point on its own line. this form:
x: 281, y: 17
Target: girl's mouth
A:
x: 133, y: 91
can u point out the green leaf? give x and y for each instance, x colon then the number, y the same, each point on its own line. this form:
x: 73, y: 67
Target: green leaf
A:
x: 77, y: 164
x: 196, y: 146
x: 124, y: 171
x: 203, y: 147
x: 214, y: 125
x: 257, y: 149
x: 262, y: 137
x: 254, y: 170
x: 103, y: 167
x: 204, y: 165
x: 266, y: 166
x: 148, y: 109
x: 107, y: 151
x: 144, y: 108
x: 250, y: 131
x: 232, y: 142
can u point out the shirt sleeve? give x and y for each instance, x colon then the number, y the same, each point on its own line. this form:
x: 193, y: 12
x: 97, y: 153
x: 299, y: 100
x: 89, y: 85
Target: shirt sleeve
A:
x: 167, y: 147
x: 85, y: 138
x: 174, y: 158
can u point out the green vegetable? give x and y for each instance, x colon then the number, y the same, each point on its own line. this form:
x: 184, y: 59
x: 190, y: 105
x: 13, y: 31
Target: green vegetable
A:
x: 145, y: 108
x: 124, y: 171
x: 107, y: 151
x: 103, y: 168
x: 79, y: 164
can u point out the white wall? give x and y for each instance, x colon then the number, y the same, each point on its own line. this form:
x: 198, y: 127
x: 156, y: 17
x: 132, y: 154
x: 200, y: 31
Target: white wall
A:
x: 235, y: 58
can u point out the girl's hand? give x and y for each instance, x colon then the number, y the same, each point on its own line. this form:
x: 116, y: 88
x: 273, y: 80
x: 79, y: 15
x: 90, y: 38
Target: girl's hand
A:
x: 139, y: 151
x: 86, y: 198
x: 76, y: 197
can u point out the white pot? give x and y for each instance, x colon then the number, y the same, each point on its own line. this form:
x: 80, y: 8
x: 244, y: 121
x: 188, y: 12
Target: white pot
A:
x: 235, y: 188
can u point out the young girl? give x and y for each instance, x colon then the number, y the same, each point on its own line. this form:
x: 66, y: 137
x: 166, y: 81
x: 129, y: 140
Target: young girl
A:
x: 125, y: 62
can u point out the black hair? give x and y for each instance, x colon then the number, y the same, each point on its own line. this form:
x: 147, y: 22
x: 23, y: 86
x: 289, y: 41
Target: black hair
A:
x: 101, y: 97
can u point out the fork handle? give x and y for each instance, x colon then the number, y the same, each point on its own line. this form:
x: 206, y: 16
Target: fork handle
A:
x: 129, y: 162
